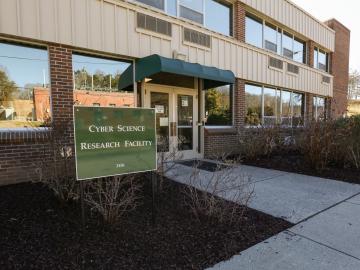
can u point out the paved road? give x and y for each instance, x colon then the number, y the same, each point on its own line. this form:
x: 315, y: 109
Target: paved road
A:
x: 326, y: 214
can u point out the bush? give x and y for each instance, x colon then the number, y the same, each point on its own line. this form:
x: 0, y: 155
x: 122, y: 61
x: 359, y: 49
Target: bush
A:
x: 112, y: 197
x: 57, y: 168
x: 332, y: 143
x: 222, y: 196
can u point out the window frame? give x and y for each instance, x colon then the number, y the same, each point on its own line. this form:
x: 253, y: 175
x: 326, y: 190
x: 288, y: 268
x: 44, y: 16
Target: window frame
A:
x: 317, y: 51
x: 34, y: 45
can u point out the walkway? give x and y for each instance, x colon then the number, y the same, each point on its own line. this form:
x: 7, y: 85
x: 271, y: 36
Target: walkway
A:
x: 326, y: 214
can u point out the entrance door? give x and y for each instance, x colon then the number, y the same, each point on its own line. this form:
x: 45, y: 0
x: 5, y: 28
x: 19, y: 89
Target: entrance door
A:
x: 176, y: 119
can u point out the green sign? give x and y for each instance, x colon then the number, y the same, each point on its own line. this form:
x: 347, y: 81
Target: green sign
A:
x: 114, y: 141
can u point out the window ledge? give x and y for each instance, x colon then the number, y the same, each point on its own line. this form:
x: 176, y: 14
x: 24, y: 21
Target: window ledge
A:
x: 218, y: 130
x: 22, y: 135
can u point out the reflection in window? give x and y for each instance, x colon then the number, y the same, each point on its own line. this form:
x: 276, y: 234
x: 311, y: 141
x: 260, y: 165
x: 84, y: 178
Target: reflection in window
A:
x: 218, y: 106
x: 277, y: 107
x: 172, y: 7
x: 253, y: 31
x: 154, y: 3
x: 321, y: 60
x: 96, y: 80
x: 253, y: 105
x: 270, y: 38
x: 286, y: 108
x: 319, y: 108
x: 298, y: 111
x: 271, y: 106
x: 192, y: 10
x: 287, y: 45
x: 218, y: 17
x: 24, y: 86
x: 299, y: 51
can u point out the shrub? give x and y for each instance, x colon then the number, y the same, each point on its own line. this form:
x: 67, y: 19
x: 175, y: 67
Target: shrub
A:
x: 223, y: 195
x: 57, y: 168
x: 112, y: 197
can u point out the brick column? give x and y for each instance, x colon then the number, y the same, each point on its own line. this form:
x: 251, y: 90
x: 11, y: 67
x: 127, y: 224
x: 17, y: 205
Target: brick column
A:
x: 309, y: 108
x: 62, y: 99
x: 310, y: 48
x: 239, y: 21
x: 239, y: 104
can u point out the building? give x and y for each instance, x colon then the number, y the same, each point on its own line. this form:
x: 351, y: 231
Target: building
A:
x: 211, y: 68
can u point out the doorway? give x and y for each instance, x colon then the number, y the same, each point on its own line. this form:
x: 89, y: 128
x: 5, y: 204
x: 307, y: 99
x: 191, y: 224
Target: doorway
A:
x: 176, y: 119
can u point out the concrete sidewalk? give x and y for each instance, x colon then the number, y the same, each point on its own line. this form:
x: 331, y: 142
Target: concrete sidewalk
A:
x: 326, y: 214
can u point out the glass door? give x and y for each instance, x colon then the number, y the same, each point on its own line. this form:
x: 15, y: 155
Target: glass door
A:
x: 185, y: 123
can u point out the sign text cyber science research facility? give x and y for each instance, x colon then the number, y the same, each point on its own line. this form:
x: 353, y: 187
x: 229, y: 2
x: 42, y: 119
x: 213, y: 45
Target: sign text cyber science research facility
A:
x: 114, y: 141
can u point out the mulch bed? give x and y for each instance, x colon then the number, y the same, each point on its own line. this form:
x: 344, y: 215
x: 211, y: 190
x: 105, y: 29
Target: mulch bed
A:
x: 38, y: 232
x: 295, y: 162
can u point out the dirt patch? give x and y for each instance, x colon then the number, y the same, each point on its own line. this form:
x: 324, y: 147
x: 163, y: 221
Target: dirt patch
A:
x: 37, y: 232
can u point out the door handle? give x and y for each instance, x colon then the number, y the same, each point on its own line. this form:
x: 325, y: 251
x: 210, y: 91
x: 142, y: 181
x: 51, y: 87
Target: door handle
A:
x: 172, y: 129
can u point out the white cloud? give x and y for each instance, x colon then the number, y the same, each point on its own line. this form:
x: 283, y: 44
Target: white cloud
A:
x: 345, y: 11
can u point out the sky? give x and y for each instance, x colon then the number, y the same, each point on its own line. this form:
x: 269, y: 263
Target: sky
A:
x: 345, y: 11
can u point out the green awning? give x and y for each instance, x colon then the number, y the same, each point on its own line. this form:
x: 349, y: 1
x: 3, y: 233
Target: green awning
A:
x: 154, y: 64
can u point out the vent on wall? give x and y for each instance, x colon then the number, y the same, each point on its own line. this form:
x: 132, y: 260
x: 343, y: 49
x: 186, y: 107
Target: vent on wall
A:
x: 153, y: 24
x: 197, y: 37
x: 276, y: 63
x: 292, y: 68
x: 326, y: 79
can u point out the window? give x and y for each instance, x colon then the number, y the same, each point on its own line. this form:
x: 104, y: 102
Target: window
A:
x: 96, y: 80
x: 192, y: 10
x: 319, y: 108
x: 253, y: 31
x: 321, y: 60
x: 269, y: 106
x: 286, y: 108
x: 218, y: 106
x: 299, y: 51
x: 287, y: 45
x: 218, y: 17
x: 24, y: 86
x: 298, y: 110
x: 160, y: 4
x: 270, y: 37
x: 214, y: 14
x: 253, y: 105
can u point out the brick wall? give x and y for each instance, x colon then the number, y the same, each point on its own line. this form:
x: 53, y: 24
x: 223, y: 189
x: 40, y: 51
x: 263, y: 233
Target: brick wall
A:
x: 340, y: 68
x: 239, y: 21
x: 22, y: 151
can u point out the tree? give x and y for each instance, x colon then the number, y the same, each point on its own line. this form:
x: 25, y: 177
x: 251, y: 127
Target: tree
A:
x: 8, y: 88
x: 354, y: 85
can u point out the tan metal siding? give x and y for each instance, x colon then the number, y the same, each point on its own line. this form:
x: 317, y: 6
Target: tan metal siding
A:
x: 110, y: 26
x: 295, y: 18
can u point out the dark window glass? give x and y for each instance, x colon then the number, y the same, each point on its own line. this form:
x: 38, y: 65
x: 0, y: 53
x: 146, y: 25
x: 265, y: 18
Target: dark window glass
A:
x: 218, y: 17
x: 24, y: 86
x: 218, y: 106
x: 96, y: 81
x: 270, y: 38
x: 253, y: 104
x: 154, y: 3
x: 253, y: 31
